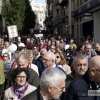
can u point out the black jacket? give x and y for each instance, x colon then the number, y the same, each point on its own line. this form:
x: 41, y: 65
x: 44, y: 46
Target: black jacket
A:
x: 35, y: 95
x: 78, y: 89
x: 40, y: 65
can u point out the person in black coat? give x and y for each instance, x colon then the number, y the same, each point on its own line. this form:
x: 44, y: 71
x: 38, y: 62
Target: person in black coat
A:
x: 52, y: 85
x: 80, y: 87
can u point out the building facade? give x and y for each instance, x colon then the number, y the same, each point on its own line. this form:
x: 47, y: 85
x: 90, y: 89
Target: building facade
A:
x: 86, y: 19
x: 49, y: 16
x: 39, y: 10
x: 60, y: 16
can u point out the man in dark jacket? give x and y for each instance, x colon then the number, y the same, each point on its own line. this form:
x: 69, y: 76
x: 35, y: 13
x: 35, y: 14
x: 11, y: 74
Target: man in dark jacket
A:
x: 52, y: 84
x: 80, y: 66
x: 39, y: 62
x: 80, y: 88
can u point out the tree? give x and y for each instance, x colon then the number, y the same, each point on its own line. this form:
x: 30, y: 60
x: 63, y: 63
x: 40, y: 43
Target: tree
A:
x: 29, y: 21
x: 14, y: 13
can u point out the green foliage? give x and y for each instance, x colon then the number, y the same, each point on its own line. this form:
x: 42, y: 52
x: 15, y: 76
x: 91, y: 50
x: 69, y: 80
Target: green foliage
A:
x: 18, y: 12
x: 29, y: 21
x: 14, y: 13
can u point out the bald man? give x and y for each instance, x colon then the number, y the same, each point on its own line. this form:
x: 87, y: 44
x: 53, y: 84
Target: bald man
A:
x: 80, y: 87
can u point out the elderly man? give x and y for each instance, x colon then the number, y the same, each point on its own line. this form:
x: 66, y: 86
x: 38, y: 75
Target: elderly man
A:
x: 22, y: 62
x: 52, y: 85
x: 80, y: 87
x: 49, y: 60
x: 39, y: 62
x: 88, y: 51
x: 79, y: 65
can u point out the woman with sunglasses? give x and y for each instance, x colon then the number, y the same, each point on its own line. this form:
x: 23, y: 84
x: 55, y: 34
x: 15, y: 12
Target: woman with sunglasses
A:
x: 7, y: 65
x: 61, y: 62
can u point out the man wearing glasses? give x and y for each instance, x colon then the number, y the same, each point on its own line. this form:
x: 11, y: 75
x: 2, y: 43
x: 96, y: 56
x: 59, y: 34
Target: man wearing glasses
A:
x: 82, y: 88
x: 52, y: 85
x: 48, y: 60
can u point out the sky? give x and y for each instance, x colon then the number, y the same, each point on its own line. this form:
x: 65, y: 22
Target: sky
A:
x: 40, y: 1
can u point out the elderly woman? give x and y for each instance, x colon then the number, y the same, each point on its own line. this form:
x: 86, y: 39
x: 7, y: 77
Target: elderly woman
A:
x: 61, y: 62
x: 20, y: 87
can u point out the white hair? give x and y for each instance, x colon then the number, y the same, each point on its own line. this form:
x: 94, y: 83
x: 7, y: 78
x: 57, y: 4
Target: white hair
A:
x: 51, y: 77
x: 43, y: 50
x: 52, y: 55
x: 22, y: 57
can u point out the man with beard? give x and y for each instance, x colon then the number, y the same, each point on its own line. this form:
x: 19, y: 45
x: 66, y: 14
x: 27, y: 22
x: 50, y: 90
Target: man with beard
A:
x: 83, y: 87
x: 52, y: 85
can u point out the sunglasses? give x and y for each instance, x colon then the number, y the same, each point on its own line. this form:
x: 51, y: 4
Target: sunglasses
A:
x: 57, y: 57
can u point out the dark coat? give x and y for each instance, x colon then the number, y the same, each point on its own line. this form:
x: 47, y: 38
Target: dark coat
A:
x: 40, y: 65
x: 78, y: 89
x: 35, y: 95
x: 70, y: 53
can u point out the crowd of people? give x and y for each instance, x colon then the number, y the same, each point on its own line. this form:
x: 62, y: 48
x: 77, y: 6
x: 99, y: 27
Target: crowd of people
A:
x: 49, y: 68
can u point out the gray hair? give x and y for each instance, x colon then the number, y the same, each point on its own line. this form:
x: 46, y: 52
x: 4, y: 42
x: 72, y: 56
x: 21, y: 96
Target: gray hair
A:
x: 22, y: 57
x: 79, y: 56
x: 35, y: 51
x: 87, y: 44
x: 51, y: 77
x: 43, y: 50
x: 52, y: 55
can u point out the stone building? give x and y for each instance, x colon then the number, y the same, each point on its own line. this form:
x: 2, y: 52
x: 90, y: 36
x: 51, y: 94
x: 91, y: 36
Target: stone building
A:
x: 39, y: 10
x: 86, y: 19
x: 60, y: 16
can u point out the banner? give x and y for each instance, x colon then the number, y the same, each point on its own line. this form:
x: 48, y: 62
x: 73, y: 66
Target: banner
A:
x: 12, y: 31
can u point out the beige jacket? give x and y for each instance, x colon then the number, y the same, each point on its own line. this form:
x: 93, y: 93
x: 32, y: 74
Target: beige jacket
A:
x: 66, y: 68
x: 10, y: 95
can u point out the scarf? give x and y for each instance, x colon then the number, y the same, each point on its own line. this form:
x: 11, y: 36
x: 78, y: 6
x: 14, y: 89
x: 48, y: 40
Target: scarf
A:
x: 20, y: 91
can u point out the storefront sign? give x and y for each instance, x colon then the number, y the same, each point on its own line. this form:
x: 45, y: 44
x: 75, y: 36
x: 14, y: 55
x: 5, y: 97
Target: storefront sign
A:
x: 88, y: 15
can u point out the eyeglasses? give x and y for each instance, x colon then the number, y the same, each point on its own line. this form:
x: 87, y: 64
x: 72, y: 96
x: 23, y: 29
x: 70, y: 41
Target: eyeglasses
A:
x: 57, y: 57
x: 43, y: 59
x: 5, y: 56
x: 97, y: 69
x: 61, y: 89
x: 20, y: 77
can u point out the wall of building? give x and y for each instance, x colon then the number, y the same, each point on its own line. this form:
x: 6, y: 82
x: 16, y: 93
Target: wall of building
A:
x: 97, y: 26
x: 40, y: 11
